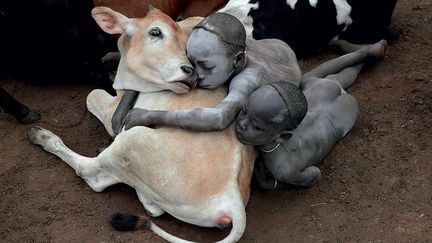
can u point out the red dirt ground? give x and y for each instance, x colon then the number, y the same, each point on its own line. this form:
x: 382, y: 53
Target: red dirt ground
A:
x: 376, y: 186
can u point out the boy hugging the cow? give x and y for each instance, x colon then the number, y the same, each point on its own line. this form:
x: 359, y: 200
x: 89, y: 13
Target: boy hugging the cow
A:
x: 293, y: 122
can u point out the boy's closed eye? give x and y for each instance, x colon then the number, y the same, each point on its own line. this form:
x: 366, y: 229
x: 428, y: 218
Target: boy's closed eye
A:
x: 257, y: 127
x: 205, y: 65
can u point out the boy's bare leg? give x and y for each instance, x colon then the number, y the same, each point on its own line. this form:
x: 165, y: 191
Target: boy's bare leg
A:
x: 336, y: 65
x: 343, y: 47
x: 347, y: 76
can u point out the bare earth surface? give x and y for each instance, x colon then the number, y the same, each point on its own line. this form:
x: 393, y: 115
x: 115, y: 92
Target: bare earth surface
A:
x: 376, y: 186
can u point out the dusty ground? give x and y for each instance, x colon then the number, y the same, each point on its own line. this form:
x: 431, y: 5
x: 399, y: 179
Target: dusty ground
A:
x: 376, y: 187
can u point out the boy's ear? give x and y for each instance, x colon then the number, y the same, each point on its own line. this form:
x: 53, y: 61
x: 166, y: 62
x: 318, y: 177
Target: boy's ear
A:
x: 112, y: 22
x: 283, y: 136
x: 239, y: 60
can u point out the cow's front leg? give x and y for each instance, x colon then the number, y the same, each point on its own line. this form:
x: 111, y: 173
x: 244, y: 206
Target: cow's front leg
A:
x: 89, y: 169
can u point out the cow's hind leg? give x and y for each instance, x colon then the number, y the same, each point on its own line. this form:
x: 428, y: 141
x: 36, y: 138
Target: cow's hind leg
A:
x: 89, y: 169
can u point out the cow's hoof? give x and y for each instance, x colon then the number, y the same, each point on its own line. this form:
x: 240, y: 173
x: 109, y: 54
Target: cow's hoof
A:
x: 30, y: 118
x: 39, y: 136
x: 33, y: 134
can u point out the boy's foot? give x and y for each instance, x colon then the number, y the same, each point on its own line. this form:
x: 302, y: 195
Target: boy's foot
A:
x: 378, y: 50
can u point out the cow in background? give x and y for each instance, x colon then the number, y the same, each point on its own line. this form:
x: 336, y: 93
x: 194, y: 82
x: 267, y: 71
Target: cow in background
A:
x: 308, y: 25
x: 174, y: 8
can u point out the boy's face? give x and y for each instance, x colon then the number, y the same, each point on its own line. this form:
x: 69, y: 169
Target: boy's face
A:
x: 262, y: 119
x: 212, y: 63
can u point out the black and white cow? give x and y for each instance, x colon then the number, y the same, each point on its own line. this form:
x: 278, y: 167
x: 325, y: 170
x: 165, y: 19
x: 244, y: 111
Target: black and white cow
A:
x: 308, y: 25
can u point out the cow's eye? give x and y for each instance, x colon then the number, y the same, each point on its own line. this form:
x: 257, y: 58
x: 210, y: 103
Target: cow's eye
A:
x: 156, y: 32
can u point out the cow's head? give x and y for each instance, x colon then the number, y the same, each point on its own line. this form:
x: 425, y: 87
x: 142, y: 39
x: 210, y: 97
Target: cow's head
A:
x: 153, y: 48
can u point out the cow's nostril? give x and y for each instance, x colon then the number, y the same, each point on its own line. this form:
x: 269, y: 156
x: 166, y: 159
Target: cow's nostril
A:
x: 188, y: 70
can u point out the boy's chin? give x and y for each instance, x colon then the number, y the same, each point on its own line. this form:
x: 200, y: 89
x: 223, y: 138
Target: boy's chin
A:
x: 245, y: 141
x: 241, y: 139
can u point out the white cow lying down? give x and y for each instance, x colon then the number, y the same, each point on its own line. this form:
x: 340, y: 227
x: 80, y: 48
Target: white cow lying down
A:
x: 199, y: 178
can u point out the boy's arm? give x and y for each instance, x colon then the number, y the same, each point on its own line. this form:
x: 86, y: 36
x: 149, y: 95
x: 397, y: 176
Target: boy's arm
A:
x: 200, y: 119
x: 126, y: 103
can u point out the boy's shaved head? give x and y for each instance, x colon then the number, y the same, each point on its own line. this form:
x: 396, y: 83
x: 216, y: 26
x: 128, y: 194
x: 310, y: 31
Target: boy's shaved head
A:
x: 216, y: 47
x: 294, y: 100
x: 271, y: 113
x: 228, y: 29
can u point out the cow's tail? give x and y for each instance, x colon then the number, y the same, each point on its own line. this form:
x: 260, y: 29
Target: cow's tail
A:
x: 127, y: 222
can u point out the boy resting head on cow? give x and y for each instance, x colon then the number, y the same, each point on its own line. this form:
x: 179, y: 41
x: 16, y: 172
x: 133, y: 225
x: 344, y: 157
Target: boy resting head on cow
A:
x: 217, y: 48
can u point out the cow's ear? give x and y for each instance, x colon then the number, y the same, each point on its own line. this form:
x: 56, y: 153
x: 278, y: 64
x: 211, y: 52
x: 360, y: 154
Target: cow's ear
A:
x: 112, y: 22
